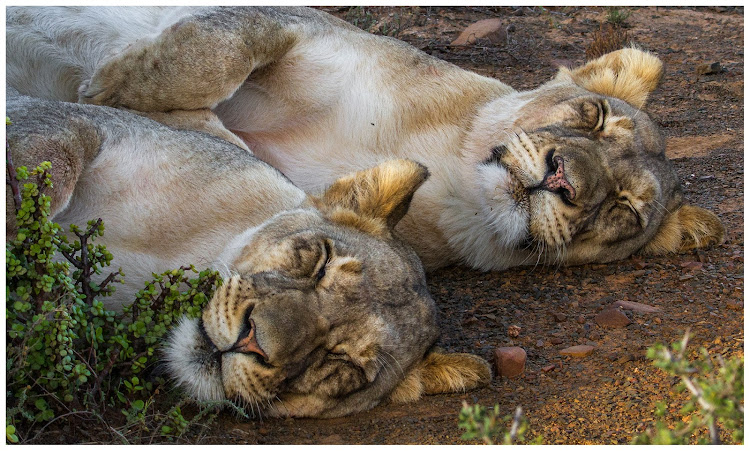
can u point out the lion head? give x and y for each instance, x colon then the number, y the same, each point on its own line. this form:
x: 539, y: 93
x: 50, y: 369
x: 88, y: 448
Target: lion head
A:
x: 575, y: 172
x: 326, y: 312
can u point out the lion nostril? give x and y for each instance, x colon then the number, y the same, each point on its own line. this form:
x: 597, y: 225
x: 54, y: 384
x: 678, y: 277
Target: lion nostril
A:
x: 555, y: 180
x: 248, y: 344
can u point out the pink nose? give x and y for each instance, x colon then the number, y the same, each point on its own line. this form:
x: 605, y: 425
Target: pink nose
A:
x: 557, y: 182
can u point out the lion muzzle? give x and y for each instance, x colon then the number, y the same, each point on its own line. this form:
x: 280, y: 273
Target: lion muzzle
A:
x: 248, y: 344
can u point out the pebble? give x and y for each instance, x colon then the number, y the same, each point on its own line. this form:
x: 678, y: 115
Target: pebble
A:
x: 514, y: 331
x: 510, y: 361
x: 560, y: 317
x: 691, y: 266
x: 539, y: 343
x: 549, y: 368
x: 708, y: 68
x: 578, y: 351
x: 612, y: 318
x: 636, y: 307
x: 556, y: 340
x: 581, y: 319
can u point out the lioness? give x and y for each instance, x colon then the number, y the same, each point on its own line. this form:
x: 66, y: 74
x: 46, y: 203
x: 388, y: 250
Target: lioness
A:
x: 571, y: 172
x: 323, y: 312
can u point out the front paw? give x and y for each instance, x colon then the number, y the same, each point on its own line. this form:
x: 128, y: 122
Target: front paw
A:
x: 121, y: 83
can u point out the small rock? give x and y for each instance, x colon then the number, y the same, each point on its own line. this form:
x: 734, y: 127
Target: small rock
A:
x: 636, y: 307
x: 490, y: 29
x: 691, y: 266
x: 639, y: 273
x: 510, y: 361
x: 581, y: 319
x: 578, y: 351
x: 514, y: 331
x: 556, y: 340
x: 559, y: 317
x: 708, y: 69
x: 612, y: 318
x: 549, y: 368
x: 539, y: 343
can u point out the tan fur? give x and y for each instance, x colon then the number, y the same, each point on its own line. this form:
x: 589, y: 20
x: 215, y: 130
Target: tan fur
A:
x: 373, y: 200
x: 687, y: 228
x: 629, y: 74
x: 319, y: 315
x: 319, y: 99
x: 442, y: 373
x: 203, y: 120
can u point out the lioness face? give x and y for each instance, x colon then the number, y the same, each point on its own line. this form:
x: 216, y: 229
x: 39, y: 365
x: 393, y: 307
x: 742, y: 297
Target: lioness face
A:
x: 327, y: 313
x: 585, y: 175
x: 569, y: 175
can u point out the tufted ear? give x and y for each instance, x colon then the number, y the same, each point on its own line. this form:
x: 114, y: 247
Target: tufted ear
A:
x: 687, y: 228
x: 442, y: 373
x: 628, y: 74
x: 374, y: 199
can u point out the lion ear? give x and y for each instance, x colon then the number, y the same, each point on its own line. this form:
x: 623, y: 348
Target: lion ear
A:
x: 629, y: 74
x: 373, y: 198
x: 442, y: 373
x: 687, y: 228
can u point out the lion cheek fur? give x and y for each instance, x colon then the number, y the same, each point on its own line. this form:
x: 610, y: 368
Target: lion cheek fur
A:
x: 191, y: 362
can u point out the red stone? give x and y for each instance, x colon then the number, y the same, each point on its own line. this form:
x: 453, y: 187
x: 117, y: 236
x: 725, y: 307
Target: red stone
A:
x: 510, y: 361
x: 612, y: 317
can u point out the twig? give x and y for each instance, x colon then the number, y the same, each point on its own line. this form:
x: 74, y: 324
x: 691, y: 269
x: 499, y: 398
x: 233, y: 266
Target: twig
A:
x: 516, y: 423
x: 113, y: 353
x: 12, y: 180
x: 85, y: 267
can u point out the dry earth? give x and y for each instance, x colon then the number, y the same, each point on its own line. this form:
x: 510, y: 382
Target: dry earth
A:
x: 609, y: 396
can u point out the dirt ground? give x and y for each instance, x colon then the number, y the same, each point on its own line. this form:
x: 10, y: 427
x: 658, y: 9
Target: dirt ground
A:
x: 609, y: 396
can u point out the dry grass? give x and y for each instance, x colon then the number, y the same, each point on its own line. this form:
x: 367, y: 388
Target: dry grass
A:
x: 608, y: 39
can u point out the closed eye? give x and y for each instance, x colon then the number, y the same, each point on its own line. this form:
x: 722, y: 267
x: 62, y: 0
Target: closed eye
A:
x: 325, y: 258
x: 627, y: 202
x: 603, y: 111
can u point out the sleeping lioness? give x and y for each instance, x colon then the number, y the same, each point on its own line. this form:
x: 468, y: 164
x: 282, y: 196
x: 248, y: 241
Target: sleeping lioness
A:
x: 571, y: 172
x: 323, y: 312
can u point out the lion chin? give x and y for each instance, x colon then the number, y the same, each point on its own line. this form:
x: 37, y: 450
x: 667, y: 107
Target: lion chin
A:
x: 193, y: 361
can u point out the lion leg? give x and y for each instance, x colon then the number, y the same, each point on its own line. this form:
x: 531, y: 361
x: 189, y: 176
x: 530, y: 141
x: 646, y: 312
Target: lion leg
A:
x: 196, y: 63
x: 40, y: 132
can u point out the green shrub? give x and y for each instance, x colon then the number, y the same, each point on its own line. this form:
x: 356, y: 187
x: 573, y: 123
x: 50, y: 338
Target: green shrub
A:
x: 65, y: 352
x: 716, y: 387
